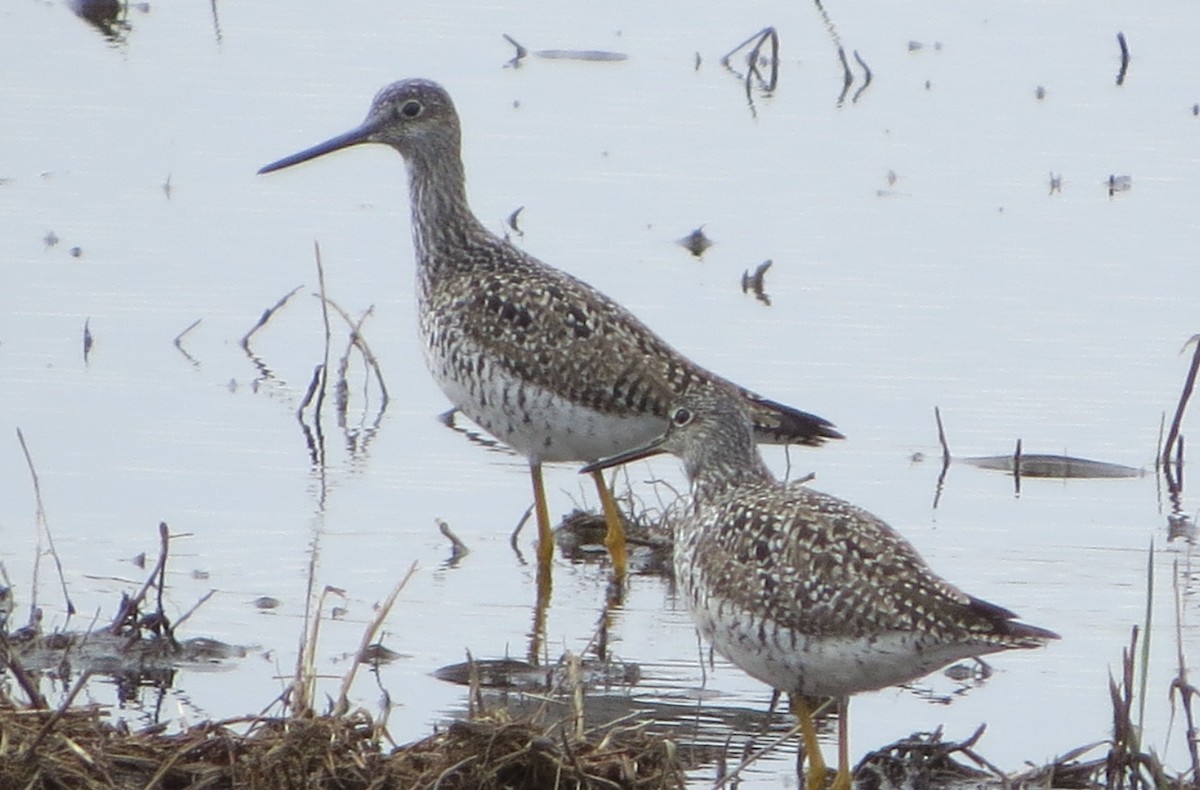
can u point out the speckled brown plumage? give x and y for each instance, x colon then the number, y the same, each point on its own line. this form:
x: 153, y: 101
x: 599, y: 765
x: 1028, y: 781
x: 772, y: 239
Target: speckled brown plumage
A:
x: 490, y: 311
x: 539, y: 359
x: 800, y: 568
x: 802, y: 590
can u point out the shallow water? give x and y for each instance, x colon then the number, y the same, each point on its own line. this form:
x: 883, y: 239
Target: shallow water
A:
x: 964, y: 282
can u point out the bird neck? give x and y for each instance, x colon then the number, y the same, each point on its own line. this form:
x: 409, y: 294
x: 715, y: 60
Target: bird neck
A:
x: 442, y: 220
x: 720, y: 469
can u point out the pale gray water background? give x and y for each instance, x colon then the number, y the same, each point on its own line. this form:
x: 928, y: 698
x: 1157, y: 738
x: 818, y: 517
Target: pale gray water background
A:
x: 1057, y: 318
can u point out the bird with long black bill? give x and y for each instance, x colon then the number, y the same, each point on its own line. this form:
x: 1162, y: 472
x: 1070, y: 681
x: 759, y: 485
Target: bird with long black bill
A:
x: 804, y: 591
x: 537, y: 358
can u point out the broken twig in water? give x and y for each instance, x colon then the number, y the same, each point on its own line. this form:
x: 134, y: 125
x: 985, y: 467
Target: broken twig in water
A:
x: 88, y: 340
x: 359, y: 341
x: 458, y: 549
x: 1124, y: 58
x: 1189, y: 384
x: 753, y: 60
x: 754, y: 282
x: 595, y: 55
x: 342, y: 706
x: 43, y: 529
x: 512, y: 221
x: 696, y: 242
x: 937, y: 415
x: 1016, y: 465
x: 266, y: 316
x: 941, y: 481
x: 178, y: 341
x: 127, y: 614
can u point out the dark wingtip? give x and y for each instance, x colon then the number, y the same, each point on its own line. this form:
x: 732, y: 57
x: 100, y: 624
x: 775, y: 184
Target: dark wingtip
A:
x: 1007, y: 626
x: 784, y: 425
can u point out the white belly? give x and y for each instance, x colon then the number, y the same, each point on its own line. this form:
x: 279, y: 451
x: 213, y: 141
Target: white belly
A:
x: 539, y: 424
x: 822, y: 666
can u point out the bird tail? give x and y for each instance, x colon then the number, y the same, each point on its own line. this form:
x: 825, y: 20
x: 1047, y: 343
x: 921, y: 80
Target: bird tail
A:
x: 1008, y: 630
x: 775, y: 423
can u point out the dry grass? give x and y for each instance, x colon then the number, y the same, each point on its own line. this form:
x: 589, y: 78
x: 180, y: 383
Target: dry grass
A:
x: 80, y: 749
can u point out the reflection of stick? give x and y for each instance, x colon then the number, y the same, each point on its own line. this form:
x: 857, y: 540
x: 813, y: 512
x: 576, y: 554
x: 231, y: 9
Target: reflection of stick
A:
x: 941, y: 481
x: 266, y: 316
x: 1124, y: 58
x: 43, y: 527
x: 866, y: 76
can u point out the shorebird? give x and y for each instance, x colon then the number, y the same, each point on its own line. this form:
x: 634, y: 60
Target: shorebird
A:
x: 537, y: 358
x: 804, y: 591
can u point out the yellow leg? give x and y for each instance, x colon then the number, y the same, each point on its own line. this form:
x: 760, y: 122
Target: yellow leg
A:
x: 545, y: 545
x: 816, y: 763
x: 614, y: 538
x: 843, y: 780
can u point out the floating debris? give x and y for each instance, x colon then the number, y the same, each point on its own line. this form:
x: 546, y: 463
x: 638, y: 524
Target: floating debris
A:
x: 696, y: 242
x: 512, y: 221
x: 458, y: 549
x: 110, y: 17
x: 511, y: 673
x: 580, y: 537
x: 104, y: 652
x: 1124, y: 58
x: 88, y: 340
x: 922, y: 760
x: 580, y: 54
x: 755, y: 62
x: 1119, y: 184
x: 593, y: 55
x: 915, y: 46
x: 753, y: 282
x: 1059, y: 466
x: 377, y: 654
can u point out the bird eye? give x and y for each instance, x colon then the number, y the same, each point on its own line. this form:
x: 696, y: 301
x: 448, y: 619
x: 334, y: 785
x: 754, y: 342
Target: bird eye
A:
x: 411, y: 109
x: 681, y: 417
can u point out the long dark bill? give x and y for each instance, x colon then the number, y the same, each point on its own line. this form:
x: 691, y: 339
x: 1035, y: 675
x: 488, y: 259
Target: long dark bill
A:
x: 654, y: 447
x: 353, y: 137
